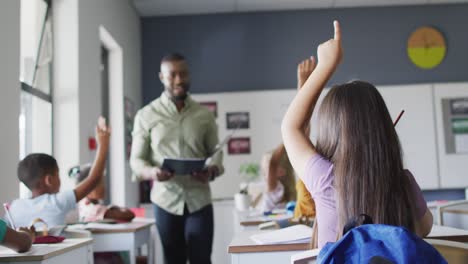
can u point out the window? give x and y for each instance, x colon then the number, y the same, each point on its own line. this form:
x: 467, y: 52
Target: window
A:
x: 35, y: 120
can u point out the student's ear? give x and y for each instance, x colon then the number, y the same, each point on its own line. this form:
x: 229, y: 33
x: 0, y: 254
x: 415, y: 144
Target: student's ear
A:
x: 48, y: 181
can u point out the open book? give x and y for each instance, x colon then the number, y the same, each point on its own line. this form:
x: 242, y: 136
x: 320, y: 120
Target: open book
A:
x: 185, y: 166
x: 289, y: 235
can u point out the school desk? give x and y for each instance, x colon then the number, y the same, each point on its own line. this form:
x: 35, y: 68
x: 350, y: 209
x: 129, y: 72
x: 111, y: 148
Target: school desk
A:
x: 454, y: 214
x: 123, y: 237
x: 70, y: 251
x: 244, y: 250
x: 250, y: 219
x: 448, y: 233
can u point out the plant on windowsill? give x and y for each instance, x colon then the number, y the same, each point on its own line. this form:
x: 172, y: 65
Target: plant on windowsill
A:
x: 249, y: 172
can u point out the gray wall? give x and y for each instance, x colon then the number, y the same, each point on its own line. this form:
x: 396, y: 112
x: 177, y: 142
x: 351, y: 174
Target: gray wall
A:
x: 259, y: 51
x: 77, y: 83
x: 9, y: 98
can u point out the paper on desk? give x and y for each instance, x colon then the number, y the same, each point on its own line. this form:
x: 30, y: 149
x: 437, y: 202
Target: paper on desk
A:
x: 441, y: 231
x: 289, y: 235
x: 99, y: 226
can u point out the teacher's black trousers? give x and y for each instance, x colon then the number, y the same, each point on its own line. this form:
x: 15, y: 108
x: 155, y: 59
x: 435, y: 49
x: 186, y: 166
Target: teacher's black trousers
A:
x: 188, y: 236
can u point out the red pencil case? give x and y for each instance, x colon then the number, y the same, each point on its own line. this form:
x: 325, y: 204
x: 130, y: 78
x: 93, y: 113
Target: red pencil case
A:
x: 48, y: 239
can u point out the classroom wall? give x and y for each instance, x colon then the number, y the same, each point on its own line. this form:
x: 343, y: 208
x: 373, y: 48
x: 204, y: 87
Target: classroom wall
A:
x: 78, y: 46
x: 121, y: 20
x: 255, y: 51
x: 9, y: 97
x: 260, y: 50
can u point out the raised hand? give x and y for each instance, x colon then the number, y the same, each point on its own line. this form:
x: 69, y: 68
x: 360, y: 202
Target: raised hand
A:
x: 304, y: 70
x: 102, y: 133
x: 330, y: 53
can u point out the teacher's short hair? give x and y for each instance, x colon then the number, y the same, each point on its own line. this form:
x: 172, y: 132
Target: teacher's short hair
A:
x: 173, y: 57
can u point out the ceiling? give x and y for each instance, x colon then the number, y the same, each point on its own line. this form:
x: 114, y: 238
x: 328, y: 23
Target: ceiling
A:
x: 185, y: 7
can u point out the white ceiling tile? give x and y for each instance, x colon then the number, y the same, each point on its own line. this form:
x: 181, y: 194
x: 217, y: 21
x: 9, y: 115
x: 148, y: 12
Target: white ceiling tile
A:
x: 358, y: 3
x: 180, y: 7
x: 264, y: 5
x: 447, y: 1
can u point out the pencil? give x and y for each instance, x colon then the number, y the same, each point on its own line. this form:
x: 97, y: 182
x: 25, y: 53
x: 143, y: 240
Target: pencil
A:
x: 398, y: 118
x: 7, y: 211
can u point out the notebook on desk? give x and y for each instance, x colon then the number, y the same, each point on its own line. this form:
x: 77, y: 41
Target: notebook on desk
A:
x: 295, y: 234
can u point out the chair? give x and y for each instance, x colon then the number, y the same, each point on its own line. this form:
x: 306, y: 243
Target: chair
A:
x: 444, y: 207
x: 453, y: 252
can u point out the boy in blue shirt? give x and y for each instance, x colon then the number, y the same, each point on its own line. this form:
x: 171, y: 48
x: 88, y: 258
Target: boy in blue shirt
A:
x: 40, y: 173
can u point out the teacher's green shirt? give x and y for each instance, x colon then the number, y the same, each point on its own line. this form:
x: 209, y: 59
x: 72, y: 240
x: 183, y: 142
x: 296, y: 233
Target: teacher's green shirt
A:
x: 159, y: 132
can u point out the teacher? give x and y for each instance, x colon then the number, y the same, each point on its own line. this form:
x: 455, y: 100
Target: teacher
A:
x: 175, y: 126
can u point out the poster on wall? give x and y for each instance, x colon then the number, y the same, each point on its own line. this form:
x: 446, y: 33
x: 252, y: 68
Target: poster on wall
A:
x: 129, y: 118
x: 459, y: 106
x: 237, y: 120
x: 460, y: 132
x: 239, y: 145
x: 212, y: 107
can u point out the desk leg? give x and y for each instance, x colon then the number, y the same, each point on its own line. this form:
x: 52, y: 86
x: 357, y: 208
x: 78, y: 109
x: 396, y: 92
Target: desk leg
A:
x: 235, y: 259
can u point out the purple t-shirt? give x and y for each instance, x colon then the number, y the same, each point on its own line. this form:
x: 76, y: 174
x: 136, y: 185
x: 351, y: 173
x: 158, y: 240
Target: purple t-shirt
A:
x: 318, y: 179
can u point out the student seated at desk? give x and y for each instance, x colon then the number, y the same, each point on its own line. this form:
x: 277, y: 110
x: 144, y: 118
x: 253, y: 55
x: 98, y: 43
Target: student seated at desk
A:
x: 280, y: 179
x: 19, y: 241
x: 40, y: 173
x: 356, y: 165
x: 91, y: 208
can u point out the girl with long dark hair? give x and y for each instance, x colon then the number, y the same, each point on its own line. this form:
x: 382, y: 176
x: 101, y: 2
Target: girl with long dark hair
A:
x: 356, y: 165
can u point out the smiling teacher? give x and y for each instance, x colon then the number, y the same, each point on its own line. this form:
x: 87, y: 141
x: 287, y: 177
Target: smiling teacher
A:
x: 175, y: 126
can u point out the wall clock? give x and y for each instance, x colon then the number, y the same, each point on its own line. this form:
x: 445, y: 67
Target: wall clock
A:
x: 426, y: 47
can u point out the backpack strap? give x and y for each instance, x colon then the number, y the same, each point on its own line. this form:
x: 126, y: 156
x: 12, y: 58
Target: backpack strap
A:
x: 356, y: 221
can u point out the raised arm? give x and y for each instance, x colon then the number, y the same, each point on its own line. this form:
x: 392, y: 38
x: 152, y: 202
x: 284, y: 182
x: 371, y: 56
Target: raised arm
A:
x: 97, y: 170
x: 297, y: 142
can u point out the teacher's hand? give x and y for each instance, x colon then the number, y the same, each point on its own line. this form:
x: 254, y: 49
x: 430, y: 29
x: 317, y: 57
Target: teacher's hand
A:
x: 161, y: 174
x: 207, y: 174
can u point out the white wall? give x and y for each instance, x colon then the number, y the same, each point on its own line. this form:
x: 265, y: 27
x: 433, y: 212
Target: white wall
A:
x: 9, y: 97
x: 77, y: 74
x: 66, y: 87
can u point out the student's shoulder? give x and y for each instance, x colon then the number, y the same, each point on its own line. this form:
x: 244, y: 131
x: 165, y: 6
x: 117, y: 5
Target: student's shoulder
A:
x: 64, y: 198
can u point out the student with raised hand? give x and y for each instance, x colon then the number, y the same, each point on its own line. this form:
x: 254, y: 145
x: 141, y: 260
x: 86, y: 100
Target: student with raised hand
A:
x: 305, y: 206
x: 19, y: 241
x: 356, y: 165
x: 92, y: 207
x: 280, y: 179
x: 40, y: 173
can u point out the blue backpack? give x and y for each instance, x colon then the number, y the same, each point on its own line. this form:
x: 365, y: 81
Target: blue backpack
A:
x: 378, y: 244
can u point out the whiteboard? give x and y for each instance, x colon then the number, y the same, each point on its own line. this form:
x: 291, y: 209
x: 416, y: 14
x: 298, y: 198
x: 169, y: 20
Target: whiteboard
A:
x: 416, y: 129
x: 453, y: 167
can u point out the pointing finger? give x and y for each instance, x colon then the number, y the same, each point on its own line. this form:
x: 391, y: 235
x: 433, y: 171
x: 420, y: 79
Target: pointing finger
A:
x: 336, y: 25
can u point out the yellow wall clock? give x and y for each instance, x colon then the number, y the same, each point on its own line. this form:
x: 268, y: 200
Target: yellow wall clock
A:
x: 426, y: 47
